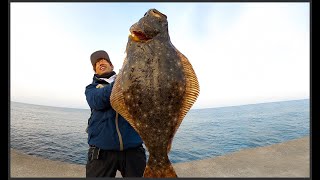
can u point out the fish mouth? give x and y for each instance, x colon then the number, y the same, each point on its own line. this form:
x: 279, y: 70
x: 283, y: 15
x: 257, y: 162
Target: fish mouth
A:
x: 139, y: 36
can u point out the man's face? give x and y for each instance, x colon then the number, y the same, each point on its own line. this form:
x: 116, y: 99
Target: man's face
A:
x: 103, y: 66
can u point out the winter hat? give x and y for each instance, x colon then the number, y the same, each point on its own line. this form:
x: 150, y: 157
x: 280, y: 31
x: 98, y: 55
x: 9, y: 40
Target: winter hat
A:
x: 99, y: 55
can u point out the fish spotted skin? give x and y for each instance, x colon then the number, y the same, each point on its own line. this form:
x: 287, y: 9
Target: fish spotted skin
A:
x: 155, y: 89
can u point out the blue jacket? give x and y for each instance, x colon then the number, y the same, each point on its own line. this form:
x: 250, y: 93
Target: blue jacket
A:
x: 104, y: 131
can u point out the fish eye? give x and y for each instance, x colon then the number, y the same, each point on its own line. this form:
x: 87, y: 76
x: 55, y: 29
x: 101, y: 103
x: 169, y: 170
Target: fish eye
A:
x: 155, y: 11
x: 158, y: 12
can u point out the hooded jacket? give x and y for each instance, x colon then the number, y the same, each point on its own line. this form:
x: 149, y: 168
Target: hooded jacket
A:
x: 105, y: 131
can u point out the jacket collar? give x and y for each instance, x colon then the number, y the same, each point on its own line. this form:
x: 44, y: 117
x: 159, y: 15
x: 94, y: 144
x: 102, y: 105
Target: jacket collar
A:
x: 104, y: 80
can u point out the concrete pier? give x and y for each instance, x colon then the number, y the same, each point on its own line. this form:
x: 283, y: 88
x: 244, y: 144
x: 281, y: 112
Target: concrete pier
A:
x: 288, y: 159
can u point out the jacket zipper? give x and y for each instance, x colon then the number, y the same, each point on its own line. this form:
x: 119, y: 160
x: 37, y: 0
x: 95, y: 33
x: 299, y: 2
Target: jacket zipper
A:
x: 119, y: 134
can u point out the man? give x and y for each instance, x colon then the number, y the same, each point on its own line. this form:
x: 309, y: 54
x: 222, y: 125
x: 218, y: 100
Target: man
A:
x: 113, y: 143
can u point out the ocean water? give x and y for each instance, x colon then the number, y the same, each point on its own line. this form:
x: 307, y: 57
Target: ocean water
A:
x: 59, y: 133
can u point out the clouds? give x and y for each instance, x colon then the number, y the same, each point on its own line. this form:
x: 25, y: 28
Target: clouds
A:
x: 261, y: 54
x: 241, y: 52
x: 46, y: 59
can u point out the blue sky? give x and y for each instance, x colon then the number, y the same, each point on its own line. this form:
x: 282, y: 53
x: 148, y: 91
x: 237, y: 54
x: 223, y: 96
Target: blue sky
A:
x: 242, y: 53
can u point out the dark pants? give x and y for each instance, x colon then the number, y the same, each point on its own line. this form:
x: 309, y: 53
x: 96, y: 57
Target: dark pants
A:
x: 102, y: 163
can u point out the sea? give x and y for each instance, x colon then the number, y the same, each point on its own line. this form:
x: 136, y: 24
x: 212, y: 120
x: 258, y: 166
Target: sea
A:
x: 58, y: 133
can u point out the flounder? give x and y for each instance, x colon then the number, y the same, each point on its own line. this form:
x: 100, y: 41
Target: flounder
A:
x: 154, y: 89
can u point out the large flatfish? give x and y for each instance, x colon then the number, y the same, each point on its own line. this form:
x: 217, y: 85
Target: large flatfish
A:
x: 154, y: 89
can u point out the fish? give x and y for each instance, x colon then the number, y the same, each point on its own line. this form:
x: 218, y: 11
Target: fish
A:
x: 154, y: 89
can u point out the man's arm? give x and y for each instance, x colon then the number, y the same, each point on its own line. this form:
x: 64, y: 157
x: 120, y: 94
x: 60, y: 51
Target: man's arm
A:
x: 99, y: 98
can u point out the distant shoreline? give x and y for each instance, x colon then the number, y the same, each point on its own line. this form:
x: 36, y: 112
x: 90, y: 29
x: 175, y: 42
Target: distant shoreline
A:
x: 192, y: 108
x: 287, y: 159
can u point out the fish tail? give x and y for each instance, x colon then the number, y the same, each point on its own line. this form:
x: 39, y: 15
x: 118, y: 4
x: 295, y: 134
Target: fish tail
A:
x: 163, y: 171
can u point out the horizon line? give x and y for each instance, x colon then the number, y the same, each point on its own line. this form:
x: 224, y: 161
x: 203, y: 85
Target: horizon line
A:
x: 190, y: 109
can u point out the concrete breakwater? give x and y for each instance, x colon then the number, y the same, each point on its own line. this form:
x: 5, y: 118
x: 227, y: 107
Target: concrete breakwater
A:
x: 287, y: 159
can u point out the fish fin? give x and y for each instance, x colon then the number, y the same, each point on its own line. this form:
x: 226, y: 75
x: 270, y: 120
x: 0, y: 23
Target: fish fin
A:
x: 192, y: 85
x: 191, y: 93
x: 166, y: 171
x: 117, y: 98
x: 169, y: 145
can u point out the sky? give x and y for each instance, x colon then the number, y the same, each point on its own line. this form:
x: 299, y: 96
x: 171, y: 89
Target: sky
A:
x: 242, y: 53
